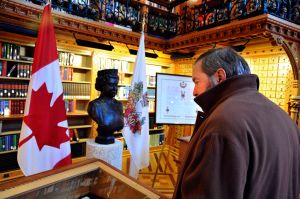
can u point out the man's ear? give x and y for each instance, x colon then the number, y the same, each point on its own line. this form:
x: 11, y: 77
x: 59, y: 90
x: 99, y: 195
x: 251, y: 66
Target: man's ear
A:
x: 221, y: 75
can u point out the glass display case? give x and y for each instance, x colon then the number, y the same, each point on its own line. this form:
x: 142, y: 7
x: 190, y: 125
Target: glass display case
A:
x: 88, y: 179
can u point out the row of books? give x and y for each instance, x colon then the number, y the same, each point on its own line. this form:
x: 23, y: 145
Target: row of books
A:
x: 123, y: 92
x: 10, y: 107
x: 13, y: 90
x: 154, y: 140
x: 151, y: 106
x: 122, y: 78
x: 74, y: 135
x: 9, y: 51
x: 9, y: 142
x: 70, y: 105
x: 151, y: 93
x: 123, y: 68
x: 66, y: 73
x: 15, y: 69
x: 76, y: 91
x: 159, y: 6
x: 4, y: 107
x: 66, y: 58
x: 151, y: 80
x: 153, y: 125
x: 108, y: 63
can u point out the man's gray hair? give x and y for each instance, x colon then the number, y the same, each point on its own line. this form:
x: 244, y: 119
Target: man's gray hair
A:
x: 225, y: 58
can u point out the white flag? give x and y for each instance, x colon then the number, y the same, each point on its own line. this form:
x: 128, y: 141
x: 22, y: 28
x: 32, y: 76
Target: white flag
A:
x: 136, y: 130
x: 44, y: 141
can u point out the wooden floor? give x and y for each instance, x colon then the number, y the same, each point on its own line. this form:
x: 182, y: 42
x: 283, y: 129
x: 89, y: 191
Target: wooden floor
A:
x: 167, y: 172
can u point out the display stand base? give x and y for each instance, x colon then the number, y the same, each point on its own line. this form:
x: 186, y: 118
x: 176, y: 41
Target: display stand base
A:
x: 110, y: 153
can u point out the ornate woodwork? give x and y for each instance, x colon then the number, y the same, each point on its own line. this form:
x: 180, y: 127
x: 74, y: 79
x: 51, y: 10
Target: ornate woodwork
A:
x: 258, y: 27
x: 294, y: 109
x: 27, y: 15
x: 292, y: 50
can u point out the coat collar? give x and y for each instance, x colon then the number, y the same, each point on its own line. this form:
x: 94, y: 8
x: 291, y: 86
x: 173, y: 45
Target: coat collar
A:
x: 213, y: 96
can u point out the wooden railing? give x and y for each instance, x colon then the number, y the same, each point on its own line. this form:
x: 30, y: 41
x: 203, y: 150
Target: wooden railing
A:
x: 161, y: 21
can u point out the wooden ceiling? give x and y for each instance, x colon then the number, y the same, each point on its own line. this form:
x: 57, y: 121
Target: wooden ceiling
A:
x: 261, y: 29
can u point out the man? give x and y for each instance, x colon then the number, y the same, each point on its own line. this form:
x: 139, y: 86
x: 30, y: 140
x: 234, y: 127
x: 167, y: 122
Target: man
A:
x: 106, y: 111
x: 245, y: 146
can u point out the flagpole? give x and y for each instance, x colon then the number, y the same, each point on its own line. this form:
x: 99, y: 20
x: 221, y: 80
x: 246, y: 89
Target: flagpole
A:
x: 143, y: 22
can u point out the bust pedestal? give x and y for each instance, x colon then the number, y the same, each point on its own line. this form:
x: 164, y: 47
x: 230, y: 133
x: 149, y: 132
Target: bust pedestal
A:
x: 110, y: 153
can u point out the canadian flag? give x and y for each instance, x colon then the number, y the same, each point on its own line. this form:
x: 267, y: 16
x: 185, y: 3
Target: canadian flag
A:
x: 44, y: 141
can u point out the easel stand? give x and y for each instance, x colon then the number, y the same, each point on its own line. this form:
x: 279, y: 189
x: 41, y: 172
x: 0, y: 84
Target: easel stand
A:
x: 160, y: 156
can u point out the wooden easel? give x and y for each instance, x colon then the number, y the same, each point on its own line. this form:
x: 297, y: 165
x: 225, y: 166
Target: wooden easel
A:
x: 160, y: 156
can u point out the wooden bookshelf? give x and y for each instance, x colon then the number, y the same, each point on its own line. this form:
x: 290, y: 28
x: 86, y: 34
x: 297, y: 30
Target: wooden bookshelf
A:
x: 9, y: 151
x: 80, y: 141
x: 157, y: 129
x: 78, y: 84
x: 14, y: 78
x: 16, y: 60
x: 77, y: 113
x: 12, y: 98
x: 10, y: 132
x: 80, y: 126
x: 6, y: 176
x: 78, y: 67
x: 11, y: 117
x: 75, y: 82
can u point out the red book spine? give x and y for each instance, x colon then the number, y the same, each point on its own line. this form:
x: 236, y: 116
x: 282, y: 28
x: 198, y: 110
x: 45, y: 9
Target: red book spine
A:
x: 4, y: 68
x: 22, y: 106
x: 71, y: 132
x: 0, y: 49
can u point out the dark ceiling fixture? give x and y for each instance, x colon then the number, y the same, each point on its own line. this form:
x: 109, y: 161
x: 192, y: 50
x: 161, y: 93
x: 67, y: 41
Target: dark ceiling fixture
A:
x: 18, y: 30
x: 179, y: 55
x: 91, y: 44
x: 147, y: 54
x: 240, y: 48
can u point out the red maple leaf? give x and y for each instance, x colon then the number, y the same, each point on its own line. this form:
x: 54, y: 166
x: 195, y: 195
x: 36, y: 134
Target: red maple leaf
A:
x: 43, y: 120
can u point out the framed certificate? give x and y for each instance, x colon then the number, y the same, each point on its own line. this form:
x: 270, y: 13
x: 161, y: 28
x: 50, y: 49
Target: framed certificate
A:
x: 174, y: 99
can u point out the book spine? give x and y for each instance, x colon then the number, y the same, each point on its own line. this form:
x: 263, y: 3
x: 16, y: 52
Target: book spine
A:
x: 4, y: 68
x: 1, y: 46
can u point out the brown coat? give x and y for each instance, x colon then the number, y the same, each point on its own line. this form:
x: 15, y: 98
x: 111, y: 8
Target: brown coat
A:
x: 246, y: 147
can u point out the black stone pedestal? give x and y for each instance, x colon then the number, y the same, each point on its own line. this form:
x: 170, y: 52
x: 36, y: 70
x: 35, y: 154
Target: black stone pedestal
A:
x: 105, y: 140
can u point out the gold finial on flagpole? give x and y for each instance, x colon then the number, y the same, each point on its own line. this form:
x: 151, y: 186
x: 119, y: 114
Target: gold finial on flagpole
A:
x: 143, y: 22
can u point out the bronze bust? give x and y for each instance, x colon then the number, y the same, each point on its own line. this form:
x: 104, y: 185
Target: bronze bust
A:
x: 106, y: 111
